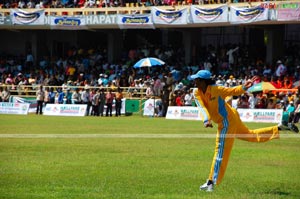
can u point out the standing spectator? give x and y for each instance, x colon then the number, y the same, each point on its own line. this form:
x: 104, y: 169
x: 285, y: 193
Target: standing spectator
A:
x: 1, y: 90
x: 109, y: 101
x: 29, y: 61
x: 119, y: 97
x: 165, y: 100
x: 230, y: 55
x: 85, y: 97
x: 68, y: 96
x: 5, y: 95
x: 95, y: 103
x: 61, y: 96
x: 40, y: 95
x: 76, y: 99
x: 102, y: 100
x: 172, y: 98
x: 281, y: 69
x: 252, y: 101
x: 157, y: 86
x: 170, y: 80
x: 46, y: 98
x: 52, y: 95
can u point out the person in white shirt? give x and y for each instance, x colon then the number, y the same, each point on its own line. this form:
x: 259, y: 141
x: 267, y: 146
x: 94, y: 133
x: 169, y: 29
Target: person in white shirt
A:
x: 188, y: 98
x: 31, y: 4
x: 21, y: 4
x: 230, y: 55
x: 76, y: 99
x: 40, y: 95
x: 85, y: 97
x: 252, y: 101
x: 149, y: 91
x: 281, y: 69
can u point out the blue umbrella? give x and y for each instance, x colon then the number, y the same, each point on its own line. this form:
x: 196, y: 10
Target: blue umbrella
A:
x: 148, y: 62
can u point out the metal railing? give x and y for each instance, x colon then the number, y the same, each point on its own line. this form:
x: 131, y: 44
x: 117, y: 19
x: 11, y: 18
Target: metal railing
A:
x: 132, y: 8
x: 30, y: 90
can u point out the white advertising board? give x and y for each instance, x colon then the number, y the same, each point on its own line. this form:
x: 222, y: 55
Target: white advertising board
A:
x: 246, y: 115
x: 14, y: 108
x: 65, y: 109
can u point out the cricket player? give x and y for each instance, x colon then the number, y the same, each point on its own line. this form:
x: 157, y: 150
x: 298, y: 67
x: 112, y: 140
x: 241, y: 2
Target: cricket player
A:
x: 210, y: 100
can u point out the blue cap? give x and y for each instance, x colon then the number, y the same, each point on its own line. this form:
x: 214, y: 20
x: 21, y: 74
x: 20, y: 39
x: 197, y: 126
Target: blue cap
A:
x: 203, y: 74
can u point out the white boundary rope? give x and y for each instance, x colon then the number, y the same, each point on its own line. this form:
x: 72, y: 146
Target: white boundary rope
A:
x: 143, y: 136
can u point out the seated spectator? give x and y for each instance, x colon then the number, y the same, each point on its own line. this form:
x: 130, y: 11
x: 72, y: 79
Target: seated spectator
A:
x: 149, y: 90
x: 21, y: 4
x: 188, y: 98
x: 260, y: 103
x: 64, y: 3
x: 179, y: 101
x: 81, y: 3
x: 287, y: 84
x: 271, y: 104
x: 243, y: 102
x: 90, y: 4
x: 30, y: 4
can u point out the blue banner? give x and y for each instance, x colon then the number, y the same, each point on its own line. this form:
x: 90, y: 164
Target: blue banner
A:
x: 135, y: 22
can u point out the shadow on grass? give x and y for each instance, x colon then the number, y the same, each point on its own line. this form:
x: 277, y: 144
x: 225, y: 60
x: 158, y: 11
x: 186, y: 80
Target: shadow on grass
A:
x: 279, y: 193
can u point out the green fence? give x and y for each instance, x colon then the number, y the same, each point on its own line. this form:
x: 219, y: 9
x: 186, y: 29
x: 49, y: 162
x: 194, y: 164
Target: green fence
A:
x: 133, y: 105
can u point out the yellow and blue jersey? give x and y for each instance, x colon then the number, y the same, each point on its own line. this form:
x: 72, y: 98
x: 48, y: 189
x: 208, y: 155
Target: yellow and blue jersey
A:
x: 212, y: 104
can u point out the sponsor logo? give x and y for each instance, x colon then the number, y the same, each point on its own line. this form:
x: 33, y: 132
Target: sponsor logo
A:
x: 135, y: 20
x: 64, y: 21
x: 26, y: 18
x: 168, y: 17
x: 208, y: 13
x: 250, y: 13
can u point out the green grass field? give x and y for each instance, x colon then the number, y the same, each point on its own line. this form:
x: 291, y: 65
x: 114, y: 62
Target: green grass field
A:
x: 86, y: 164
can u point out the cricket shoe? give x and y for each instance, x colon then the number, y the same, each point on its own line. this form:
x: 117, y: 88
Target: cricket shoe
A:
x: 281, y: 127
x: 207, y: 186
x: 293, y: 127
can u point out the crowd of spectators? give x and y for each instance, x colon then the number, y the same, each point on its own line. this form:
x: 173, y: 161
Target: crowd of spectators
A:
x: 78, y: 68
x: 96, y: 3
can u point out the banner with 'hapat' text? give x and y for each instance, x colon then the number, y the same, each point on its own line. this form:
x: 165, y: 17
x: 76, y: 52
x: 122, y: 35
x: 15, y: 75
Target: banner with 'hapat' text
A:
x: 167, y: 17
x: 248, y: 15
x: 209, y: 15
